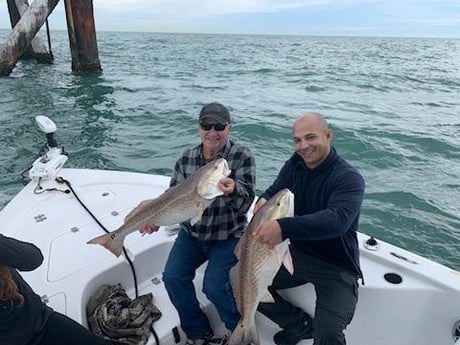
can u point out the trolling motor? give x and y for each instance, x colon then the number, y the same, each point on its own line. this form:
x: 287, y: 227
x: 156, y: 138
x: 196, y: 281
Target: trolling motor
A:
x: 47, y: 166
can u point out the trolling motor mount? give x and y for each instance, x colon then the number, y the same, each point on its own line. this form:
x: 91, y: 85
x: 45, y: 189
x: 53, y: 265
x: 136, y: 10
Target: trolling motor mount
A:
x: 47, y: 166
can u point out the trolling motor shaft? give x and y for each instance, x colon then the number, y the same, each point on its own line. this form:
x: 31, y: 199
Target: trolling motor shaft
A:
x: 47, y: 166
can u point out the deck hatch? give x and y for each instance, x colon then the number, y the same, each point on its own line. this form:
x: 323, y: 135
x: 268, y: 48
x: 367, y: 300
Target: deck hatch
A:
x: 393, y: 278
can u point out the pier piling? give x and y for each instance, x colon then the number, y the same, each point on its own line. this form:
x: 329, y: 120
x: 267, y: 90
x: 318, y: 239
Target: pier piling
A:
x: 37, y: 49
x: 82, y: 36
x: 27, y: 20
x: 23, y: 32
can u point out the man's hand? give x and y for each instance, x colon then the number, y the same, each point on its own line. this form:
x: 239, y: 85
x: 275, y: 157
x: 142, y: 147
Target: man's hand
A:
x: 148, y: 228
x: 269, y: 233
x: 226, y: 185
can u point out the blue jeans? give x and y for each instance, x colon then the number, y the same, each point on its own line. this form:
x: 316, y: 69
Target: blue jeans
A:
x: 187, y: 254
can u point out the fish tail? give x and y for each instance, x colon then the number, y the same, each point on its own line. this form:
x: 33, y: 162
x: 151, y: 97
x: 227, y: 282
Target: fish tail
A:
x: 244, y: 335
x: 110, y: 242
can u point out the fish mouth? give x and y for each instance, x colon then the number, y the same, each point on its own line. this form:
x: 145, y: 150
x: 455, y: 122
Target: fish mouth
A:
x: 226, y: 170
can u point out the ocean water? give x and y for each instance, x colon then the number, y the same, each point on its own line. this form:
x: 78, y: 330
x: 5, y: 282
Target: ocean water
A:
x: 393, y: 103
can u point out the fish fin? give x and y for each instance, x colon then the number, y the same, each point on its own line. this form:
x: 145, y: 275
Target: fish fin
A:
x: 110, y: 242
x: 267, y: 298
x: 244, y: 335
x: 213, y: 192
x: 287, y: 262
x: 198, y: 216
x: 277, y: 259
x: 234, y: 281
x: 237, y: 250
x: 282, y: 256
x: 290, y: 212
x: 195, y: 219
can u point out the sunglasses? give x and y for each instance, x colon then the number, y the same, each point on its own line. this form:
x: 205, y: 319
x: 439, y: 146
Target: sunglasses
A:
x: 217, y: 126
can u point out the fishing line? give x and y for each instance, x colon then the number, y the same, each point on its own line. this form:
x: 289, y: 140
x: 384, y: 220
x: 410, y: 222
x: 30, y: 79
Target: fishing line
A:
x: 39, y: 189
x: 62, y: 180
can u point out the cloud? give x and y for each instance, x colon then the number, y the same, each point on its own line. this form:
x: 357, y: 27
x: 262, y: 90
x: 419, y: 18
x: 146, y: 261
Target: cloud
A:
x: 183, y: 10
x: 378, y: 17
x: 210, y: 7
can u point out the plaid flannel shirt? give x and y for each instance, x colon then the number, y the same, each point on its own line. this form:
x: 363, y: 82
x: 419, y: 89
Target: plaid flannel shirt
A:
x: 226, y: 216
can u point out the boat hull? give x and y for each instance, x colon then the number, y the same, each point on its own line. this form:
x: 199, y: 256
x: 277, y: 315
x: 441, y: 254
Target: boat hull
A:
x: 406, y: 299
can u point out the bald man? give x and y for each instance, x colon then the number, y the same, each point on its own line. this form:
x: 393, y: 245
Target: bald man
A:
x: 328, y: 193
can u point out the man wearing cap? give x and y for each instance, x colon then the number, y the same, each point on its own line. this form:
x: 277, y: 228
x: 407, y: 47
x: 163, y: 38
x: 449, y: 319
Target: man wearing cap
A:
x: 214, y: 238
x: 329, y: 193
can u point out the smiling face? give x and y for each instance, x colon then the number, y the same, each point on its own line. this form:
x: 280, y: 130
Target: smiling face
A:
x: 312, y: 139
x: 213, y: 140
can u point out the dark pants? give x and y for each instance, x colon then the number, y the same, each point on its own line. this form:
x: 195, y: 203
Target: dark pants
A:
x: 61, y: 329
x: 336, y: 297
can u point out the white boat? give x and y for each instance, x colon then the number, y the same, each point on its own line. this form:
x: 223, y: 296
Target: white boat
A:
x: 406, y: 299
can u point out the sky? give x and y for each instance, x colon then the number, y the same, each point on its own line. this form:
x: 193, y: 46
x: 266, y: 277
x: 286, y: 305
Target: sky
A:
x: 402, y: 18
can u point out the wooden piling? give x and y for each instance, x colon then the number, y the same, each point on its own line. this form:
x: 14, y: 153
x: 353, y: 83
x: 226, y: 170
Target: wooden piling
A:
x: 82, y: 36
x: 13, y: 11
x: 23, y: 32
x: 37, y: 49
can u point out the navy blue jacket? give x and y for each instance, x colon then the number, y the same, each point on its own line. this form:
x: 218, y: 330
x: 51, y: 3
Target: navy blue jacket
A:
x: 21, y: 324
x: 327, y: 204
